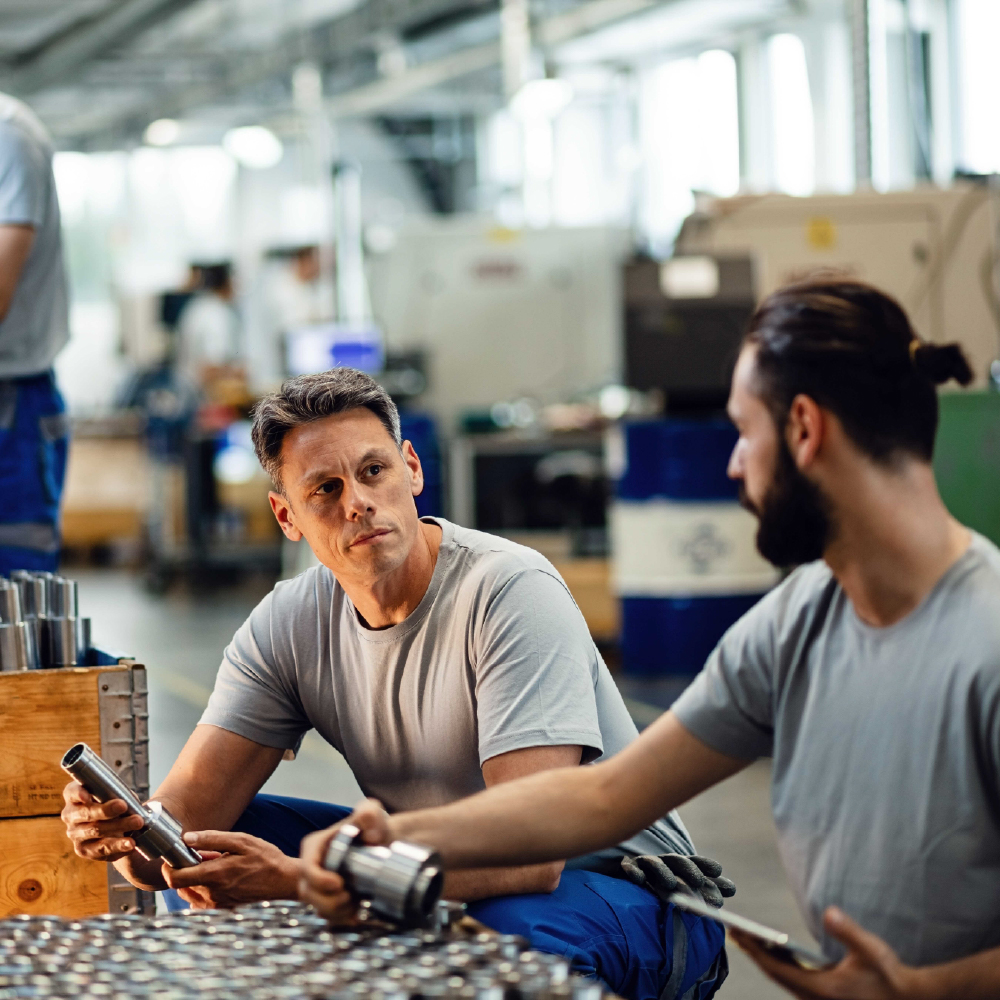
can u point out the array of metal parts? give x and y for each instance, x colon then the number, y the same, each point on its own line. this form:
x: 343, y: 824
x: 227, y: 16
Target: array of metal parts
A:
x: 40, y: 625
x: 269, y: 951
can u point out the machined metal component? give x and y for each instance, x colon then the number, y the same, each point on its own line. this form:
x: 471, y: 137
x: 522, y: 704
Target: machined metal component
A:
x: 61, y: 641
x: 402, y: 882
x: 10, y: 602
x: 161, y: 835
x: 18, y: 649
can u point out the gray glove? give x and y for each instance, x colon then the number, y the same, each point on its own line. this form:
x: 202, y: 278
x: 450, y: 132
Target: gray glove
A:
x: 666, y: 874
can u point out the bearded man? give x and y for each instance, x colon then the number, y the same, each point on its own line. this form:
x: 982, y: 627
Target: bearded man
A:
x: 871, y: 676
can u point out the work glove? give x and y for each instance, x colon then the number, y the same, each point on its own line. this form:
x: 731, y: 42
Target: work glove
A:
x: 666, y: 874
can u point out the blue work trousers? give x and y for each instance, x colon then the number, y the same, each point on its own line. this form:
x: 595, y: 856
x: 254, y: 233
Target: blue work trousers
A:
x: 33, y: 444
x: 607, y: 928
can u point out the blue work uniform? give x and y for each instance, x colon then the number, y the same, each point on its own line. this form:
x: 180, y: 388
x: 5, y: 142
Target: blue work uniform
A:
x: 34, y: 328
x: 608, y: 928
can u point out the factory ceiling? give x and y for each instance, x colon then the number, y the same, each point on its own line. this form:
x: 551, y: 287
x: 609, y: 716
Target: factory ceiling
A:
x: 98, y: 71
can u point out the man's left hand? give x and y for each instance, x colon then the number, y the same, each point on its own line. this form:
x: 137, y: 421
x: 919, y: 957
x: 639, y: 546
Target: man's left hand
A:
x: 236, y: 868
x: 870, y: 970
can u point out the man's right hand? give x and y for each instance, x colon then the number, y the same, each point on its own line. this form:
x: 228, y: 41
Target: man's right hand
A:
x: 324, y: 889
x: 100, y: 831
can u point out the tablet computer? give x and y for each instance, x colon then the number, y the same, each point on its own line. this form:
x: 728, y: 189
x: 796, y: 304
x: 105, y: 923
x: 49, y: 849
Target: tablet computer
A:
x: 779, y: 944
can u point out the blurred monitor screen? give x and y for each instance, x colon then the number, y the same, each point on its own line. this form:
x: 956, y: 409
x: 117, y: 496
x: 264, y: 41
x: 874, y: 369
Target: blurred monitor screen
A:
x: 318, y: 348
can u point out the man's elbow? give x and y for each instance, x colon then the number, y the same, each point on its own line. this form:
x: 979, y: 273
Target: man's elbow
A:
x: 549, y: 876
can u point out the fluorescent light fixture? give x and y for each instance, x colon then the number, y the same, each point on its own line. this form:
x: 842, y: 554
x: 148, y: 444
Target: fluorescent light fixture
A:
x: 543, y: 98
x: 253, y: 146
x: 162, y: 132
x: 689, y: 278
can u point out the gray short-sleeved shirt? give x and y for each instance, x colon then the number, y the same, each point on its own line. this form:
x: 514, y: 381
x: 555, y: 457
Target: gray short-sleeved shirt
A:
x: 36, y: 326
x: 496, y: 657
x: 886, y: 747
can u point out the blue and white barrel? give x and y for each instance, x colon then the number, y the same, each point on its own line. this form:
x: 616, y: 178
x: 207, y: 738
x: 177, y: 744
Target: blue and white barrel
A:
x: 684, y: 559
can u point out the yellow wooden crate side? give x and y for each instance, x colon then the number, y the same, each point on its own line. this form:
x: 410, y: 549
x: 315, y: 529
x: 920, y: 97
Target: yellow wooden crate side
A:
x: 42, y: 714
x: 40, y: 873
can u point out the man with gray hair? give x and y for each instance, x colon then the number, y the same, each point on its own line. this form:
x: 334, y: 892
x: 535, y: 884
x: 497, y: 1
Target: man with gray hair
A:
x: 439, y: 661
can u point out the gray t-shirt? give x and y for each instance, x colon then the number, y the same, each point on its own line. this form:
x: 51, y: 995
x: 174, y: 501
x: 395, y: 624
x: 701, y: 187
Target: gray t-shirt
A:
x: 495, y: 657
x: 886, y: 746
x: 36, y: 326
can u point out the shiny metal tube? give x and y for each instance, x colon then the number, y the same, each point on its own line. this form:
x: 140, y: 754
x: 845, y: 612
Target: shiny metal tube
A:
x: 402, y: 881
x: 160, y: 837
x: 15, y: 647
x: 61, y: 642
x: 10, y: 603
x: 63, y: 598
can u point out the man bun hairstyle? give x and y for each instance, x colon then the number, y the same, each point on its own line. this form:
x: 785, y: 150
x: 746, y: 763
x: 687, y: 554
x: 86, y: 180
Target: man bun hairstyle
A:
x: 307, y: 398
x: 851, y: 348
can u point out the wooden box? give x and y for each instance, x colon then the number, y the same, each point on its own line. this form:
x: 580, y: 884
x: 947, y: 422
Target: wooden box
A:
x: 42, y: 714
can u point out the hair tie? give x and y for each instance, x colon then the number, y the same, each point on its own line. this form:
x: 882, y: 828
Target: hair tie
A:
x: 915, y: 346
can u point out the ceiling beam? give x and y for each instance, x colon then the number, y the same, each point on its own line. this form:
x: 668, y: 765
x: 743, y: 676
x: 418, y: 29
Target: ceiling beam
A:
x: 65, y: 59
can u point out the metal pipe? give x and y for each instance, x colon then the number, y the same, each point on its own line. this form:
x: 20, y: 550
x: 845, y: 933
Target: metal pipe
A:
x: 161, y: 837
x: 402, y: 881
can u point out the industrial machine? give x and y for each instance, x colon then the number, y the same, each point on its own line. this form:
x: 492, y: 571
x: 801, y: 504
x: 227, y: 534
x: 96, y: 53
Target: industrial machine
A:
x: 934, y: 249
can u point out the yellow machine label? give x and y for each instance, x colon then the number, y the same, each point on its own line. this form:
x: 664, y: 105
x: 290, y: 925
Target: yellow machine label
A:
x: 821, y: 233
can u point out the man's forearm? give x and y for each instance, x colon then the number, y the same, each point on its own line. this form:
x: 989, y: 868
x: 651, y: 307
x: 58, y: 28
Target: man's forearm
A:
x: 974, y: 978
x: 482, y: 883
x: 571, y: 811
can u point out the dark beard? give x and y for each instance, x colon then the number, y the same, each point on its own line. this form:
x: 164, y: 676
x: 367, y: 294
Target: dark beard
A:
x: 795, y: 526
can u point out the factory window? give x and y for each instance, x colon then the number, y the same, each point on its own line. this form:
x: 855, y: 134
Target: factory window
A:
x: 978, y: 71
x: 793, y: 141
x: 690, y: 138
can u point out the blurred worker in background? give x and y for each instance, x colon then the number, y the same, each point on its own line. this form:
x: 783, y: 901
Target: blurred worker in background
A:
x: 209, y: 330
x: 34, y: 326
x: 871, y: 676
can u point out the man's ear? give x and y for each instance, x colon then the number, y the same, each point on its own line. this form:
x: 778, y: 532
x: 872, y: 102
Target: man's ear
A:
x: 805, y: 430
x: 283, y: 512
x: 415, y: 469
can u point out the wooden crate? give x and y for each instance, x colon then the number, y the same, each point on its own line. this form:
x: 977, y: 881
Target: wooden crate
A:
x: 42, y: 714
x: 40, y: 873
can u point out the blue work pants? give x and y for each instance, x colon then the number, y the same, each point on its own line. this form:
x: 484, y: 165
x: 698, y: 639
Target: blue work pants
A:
x: 33, y: 445
x: 607, y: 928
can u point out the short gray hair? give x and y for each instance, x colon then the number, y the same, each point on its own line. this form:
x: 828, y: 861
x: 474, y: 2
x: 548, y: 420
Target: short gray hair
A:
x: 307, y: 398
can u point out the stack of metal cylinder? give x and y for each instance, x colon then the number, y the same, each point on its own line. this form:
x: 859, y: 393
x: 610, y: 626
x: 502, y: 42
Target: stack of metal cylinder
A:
x: 270, y: 951
x: 40, y: 625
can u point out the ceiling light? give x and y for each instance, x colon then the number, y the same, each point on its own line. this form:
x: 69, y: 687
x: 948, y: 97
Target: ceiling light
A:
x: 253, y: 146
x: 543, y: 98
x: 162, y: 132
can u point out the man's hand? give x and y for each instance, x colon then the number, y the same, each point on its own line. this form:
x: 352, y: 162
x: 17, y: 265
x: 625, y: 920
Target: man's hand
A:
x: 325, y: 890
x: 99, y: 831
x: 237, y: 869
x: 871, y: 970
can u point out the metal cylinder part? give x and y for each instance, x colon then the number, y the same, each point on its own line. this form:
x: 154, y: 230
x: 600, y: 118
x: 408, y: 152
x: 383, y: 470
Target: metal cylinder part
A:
x: 160, y: 837
x: 82, y: 640
x: 10, y: 603
x: 61, y: 642
x: 34, y: 596
x: 63, y: 597
x: 13, y: 653
x: 402, y: 881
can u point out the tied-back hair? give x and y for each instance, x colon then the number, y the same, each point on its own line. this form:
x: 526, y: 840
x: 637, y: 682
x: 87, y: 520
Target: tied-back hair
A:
x: 307, y: 398
x: 851, y: 348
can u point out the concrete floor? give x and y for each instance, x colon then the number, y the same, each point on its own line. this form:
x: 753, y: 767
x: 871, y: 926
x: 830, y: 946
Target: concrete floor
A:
x: 180, y: 638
